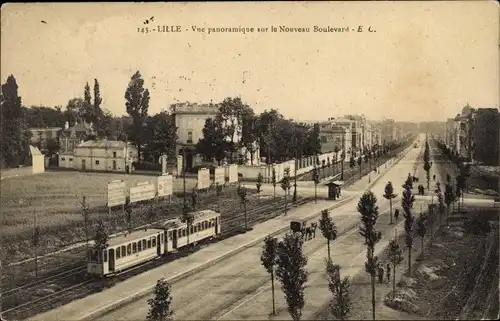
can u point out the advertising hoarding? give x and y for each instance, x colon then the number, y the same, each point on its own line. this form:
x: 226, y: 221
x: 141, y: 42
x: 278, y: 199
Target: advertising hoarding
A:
x: 142, y: 192
x: 203, y: 178
x: 233, y: 173
x: 116, y: 193
x: 179, y: 165
x: 220, y: 174
x: 165, y: 185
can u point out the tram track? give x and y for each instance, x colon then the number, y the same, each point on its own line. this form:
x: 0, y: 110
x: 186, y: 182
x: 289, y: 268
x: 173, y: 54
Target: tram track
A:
x: 66, y: 286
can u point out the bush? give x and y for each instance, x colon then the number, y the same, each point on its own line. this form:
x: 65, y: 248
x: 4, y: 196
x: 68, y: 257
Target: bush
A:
x: 148, y: 166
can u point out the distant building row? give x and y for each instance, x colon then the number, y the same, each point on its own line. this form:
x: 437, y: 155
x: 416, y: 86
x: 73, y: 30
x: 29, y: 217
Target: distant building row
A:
x: 473, y: 135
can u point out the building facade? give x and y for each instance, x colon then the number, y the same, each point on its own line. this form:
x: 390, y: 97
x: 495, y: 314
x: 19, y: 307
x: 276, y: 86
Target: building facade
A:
x: 41, y: 136
x: 70, y: 137
x: 100, y: 155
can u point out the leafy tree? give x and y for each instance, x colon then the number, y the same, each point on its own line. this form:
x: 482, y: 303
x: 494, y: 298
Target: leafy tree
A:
x: 328, y: 162
x: 230, y: 115
x: 314, y: 141
x: 161, y: 135
x: 407, y: 204
x: 448, y: 199
x: 340, y: 290
x: 421, y: 230
x: 249, y: 132
x: 328, y: 229
x: 395, y: 256
x: 14, y: 150
x: 137, y: 104
x: 274, y: 182
x: 40, y: 116
x: 259, y: 183
x: 269, y: 260
x: 285, y: 185
x: 160, y: 306
x: 86, y: 111
x: 100, y: 121
x: 74, y: 110
x: 101, y: 236
x: 86, y: 220
x: 323, y: 166
x: 291, y: 272
x: 316, y: 181
x: 352, y: 162
x: 367, y: 207
x: 243, y: 194
x: 212, y: 145
x: 427, y: 163
x: 128, y: 212
x: 389, y: 194
x: 53, y: 146
x: 336, y: 150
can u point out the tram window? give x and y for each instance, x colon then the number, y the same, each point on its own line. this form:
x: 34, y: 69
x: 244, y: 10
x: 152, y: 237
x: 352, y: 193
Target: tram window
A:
x: 183, y: 232
x: 124, y: 251
x: 129, y: 249
x: 153, y: 242
x: 196, y: 227
x: 134, y: 247
x: 105, y: 256
x: 191, y: 229
x: 149, y: 243
x: 118, y: 253
x: 169, y: 235
x: 161, y: 238
x: 110, y: 254
x: 94, y: 256
x: 204, y: 225
x: 144, y: 245
x: 139, y: 246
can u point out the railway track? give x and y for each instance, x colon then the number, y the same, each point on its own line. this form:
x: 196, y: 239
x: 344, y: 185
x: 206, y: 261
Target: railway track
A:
x: 66, y: 286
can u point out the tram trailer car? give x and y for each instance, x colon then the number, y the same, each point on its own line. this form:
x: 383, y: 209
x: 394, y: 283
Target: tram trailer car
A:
x: 135, y: 248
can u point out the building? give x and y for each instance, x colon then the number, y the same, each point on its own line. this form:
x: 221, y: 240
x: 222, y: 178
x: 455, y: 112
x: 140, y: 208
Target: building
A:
x: 190, y: 120
x: 41, y: 136
x: 333, y: 136
x: 37, y: 160
x: 100, y: 155
x: 70, y: 137
x: 485, y: 136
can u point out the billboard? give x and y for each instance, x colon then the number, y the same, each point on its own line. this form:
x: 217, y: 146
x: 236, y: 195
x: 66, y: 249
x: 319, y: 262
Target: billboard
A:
x: 233, y: 173
x: 203, y: 178
x: 165, y: 185
x: 163, y: 161
x: 116, y: 193
x: 179, y: 165
x: 141, y: 192
x: 220, y: 174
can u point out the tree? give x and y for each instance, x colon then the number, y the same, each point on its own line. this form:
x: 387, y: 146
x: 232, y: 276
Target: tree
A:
x: 86, y: 220
x: 340, y: 290
x: 427, y: 164
x: 389, y: 194
x: 285, y: 185
x: 269, y: 260
x: 128, y: 212
x: 101, y: 236
x: 395, y: 256
x: 352, y: 162
x: 249, y: 132
x: 328, y: 229
x: 259, y: 184
x: 230, y: 117
x: 407, y: 204
x: 53, y: 146
x: 86, y: 111
x: 161, y: 135
x: 448, y: 199
x: 14, y: 149
x: 316, y: 182
x: 291, y: 263
x: 421, y: 230
x: 137, y: 104
x: 99, y: 117
x: 160, y: 306
x: 244, y: 200
x: 323, y: 166
x: 360, y: 162
x: 367, y: 207
x: 212, y: 145
x: 274, y: 182
x: 336, y: 150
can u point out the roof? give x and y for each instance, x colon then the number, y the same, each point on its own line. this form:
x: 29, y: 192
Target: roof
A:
x: 198, y: 216
x: 134, y: 236
x: 67, y: 153
x: 45, y: 129
x: 117, y: 144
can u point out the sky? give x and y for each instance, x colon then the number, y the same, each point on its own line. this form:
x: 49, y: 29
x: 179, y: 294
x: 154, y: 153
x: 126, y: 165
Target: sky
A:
x: 424, y: 61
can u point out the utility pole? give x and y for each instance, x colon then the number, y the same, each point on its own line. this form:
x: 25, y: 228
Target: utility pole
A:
x: 295, y: 174
x: 184, y: 175
x: 342, y: 157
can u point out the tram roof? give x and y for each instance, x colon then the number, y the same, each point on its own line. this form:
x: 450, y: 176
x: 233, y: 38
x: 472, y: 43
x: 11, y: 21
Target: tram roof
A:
x: 133, y: 236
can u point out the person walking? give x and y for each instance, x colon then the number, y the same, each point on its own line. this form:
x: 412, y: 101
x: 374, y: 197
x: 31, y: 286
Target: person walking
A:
x: 380, y: 274
x: 388, y: 272
x: 396, y: 214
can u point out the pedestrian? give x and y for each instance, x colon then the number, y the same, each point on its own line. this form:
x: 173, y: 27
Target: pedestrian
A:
x: 388, y: 272
x: 396, y: 214
x: 380, y: 274
x: 434, y: 177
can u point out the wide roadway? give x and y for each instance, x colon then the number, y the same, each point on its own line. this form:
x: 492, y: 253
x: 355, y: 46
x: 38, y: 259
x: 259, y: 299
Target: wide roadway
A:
x: 239, y: 288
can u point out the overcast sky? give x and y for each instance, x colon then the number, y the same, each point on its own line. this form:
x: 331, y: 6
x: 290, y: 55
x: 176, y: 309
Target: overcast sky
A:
x: 424, y: 62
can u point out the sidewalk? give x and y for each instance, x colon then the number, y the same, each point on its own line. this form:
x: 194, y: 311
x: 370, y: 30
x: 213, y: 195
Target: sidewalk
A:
x: 142, y: 284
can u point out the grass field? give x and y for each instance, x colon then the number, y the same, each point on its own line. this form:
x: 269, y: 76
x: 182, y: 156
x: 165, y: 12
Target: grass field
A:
x: 55, y: 197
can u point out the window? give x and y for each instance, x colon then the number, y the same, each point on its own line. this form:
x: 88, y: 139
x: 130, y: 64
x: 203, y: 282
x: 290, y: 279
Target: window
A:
x: 105, y: 256
x: 129, y: 249
x: 190, y: 137
x: 118, y: 253
x: 323, y: 139
x: 110, y: 254
x: 183, y: 232
x: 144, y: 245
x: 169, y: 235
x: 134, y: 247
x: 149, y: 243
x: 62, y: 158
x: 139, y: 246
x: 161, y: 238
x: 153, y: 241
x: 124, y: 251
x: 71, y: 159
x: 191, y: 230
x: 114, y: 154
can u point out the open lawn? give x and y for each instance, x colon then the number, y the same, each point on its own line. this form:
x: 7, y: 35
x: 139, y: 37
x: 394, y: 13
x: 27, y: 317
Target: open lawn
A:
x: 55, y: 197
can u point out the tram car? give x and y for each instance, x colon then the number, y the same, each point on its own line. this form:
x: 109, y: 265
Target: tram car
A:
x: 140, y: 246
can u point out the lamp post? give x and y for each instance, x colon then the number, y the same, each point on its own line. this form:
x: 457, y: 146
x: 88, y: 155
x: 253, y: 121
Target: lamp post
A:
x: 342, y: 156
x: 295, y: 170
x: 184, y: 176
